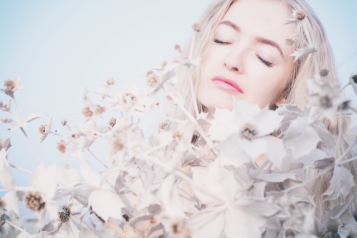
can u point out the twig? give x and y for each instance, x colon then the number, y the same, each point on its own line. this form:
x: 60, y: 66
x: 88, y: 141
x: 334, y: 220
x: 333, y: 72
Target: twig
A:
x: 345, y: 85
x: 339, y: 132
x: 160, y: 116
x: 16, y: 227
x: 33, y: 147
x: 257, y: 172
x: 85, y: 226
x: 98, y: 159
x: 16, y: 167
x: 346, y: 161
x: 188, y: 114
x: 346, y: 206
x: 115, y: 228
x: 310, y: 179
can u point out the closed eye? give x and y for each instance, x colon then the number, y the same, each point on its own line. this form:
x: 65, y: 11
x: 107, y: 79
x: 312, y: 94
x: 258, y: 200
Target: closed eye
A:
x: 265, y: 62
x: 221, y: 42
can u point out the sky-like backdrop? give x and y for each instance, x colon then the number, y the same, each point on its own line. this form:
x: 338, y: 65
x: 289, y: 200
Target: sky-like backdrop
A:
x: 56, y: 47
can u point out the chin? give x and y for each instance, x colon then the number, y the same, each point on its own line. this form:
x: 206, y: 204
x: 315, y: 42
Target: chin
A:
x: 213, y: 99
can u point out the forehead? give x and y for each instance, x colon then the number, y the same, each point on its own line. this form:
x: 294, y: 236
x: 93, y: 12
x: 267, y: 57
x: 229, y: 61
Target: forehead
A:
x: 261, y: 18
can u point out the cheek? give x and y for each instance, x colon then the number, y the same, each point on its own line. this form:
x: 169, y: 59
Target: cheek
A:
x: 264, y: 85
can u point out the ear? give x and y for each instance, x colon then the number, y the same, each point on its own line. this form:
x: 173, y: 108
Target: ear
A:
x: 280, y: 101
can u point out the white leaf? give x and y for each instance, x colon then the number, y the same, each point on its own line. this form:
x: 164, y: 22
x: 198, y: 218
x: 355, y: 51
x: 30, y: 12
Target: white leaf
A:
x: 302, y: 52
x: 106, y: 204
x: 301, y: 138
x: 276, y: 150
x: 67, y: 177
x: 11, y: 201
x: 44, y: 180
x: 341, y: 183
x: 231, y: 153
x: 6, y: 178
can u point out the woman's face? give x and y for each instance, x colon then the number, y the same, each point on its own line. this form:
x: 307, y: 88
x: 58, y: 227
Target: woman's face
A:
x: 248, y: 58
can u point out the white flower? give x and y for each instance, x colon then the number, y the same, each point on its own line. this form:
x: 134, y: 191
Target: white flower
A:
x: 11, y: 86
x: 326, y: 97
x: 45, y: 130
x: 253, y: 127
x: 302, y: 134
x: 22, y: 122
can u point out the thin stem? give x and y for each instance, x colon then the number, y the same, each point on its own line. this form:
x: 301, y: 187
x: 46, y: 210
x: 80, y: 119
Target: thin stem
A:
x: 115, y: 228
x: 346, y: 206
x: 16, y: 167
x: 192, y: 44
x: 6, y: 190
x: 188, y: 114
x: 346, y: 161
x: 257, y: 172
x: 69, y: 191
x: 85, y: 226
x: 97, y: 159
x: 160, y: 116
x: 346, y: 151
x: 109, y: 172
x: 33, y: 147
x: 16, y: 227
x: 193, y: 96
x: 345, y: 85
x: 207, y: 139
x: 16, y: 108
x: 311, y: 179
x: 181, y: 175
x: 339, y: 132
x: 137, y: 123
x: 55, y: 133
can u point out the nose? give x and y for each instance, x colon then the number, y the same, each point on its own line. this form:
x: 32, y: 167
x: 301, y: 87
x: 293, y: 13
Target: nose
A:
x: 234, y: 59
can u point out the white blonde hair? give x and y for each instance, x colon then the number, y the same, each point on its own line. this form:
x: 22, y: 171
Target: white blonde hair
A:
x: 295, y: 92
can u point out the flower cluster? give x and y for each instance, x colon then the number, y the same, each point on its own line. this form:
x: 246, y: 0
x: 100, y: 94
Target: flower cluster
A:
x: 241, y: 174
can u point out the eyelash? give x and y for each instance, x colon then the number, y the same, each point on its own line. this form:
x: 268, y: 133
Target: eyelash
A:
x: 268, y: 64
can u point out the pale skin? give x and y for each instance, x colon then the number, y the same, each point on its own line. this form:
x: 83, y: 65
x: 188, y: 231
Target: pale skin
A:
x: 249, y: 49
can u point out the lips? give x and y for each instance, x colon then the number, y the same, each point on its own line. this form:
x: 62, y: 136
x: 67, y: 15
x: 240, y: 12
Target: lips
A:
x: 227, y: 84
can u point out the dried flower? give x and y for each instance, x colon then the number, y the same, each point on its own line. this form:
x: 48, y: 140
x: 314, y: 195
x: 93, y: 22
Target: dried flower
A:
x: 152, y: 80
x: 324, y: 72
x: 289, y: 42
x: 177, y: 135
x: 6, y: 120
x: 248, y: 132
x: 2, y: 203
x: 177, y: 47
x: 112, y: 122
x: 87, y: 112
x: 9, y: 84
x: 196, y: 26
x: 110, y: 81
x: 33, y: 201
x: 299, y: 15
x: 169, y: 98
x: 149, y: 72
x: 117, y: 144
x: 163, y: 64
x: 64, y: 122
x: 1, y: 104
x: 162, y: 126
x: 64, y: 216
x: 42, y: 129
x: 61, y: 147
x: 99, y: 110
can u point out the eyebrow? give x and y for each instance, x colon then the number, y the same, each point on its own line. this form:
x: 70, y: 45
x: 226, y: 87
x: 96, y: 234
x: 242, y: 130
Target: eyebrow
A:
x: 259, y: 39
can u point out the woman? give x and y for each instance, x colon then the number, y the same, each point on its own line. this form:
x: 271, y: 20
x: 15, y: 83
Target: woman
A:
x: 246, y: 50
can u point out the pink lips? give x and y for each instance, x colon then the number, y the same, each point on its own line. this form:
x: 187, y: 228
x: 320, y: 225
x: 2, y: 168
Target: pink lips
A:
x: 227, y: 84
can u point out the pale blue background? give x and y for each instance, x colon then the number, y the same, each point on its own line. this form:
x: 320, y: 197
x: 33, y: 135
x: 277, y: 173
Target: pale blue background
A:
x: 56, y: 47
